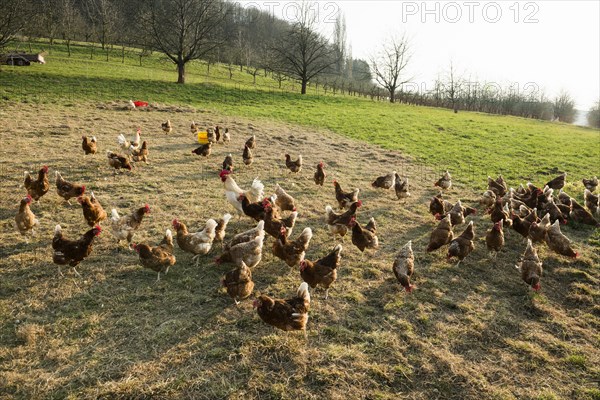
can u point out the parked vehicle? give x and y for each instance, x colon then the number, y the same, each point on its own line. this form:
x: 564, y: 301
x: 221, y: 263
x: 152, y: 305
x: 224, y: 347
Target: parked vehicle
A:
x: 21, y: 59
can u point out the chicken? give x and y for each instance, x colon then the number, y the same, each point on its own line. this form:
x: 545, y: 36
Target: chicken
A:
x: 226, y: 136
x: 284, y: 201
x: 462, y: 246
x: 590, y: 184
x: 498, y: 187
x: 401, y: 187
x: 246, y: 236
x: 233, y: 191
x: 249, y: 252
x: 523, y: 225
x: 530, y: 267
x: 247, y: 156
x: 293, y: 166
x: 386, y: 181
x: 118, y: 161
x: 92, y: 209
x: 25, y: 220
x: 320, y: 174
x: 158, y: 258
x: 255, y: 211
x: 335, y: 228
x: 228, y: 162
x: 441, y: 235
x: 501, y: 213
x: 558, y: 182
x: 36, y: 188
x: 123, y: 228
x: 126, y: 144
x: 72, y: 252
x: 494, y: 239
x: 194, y: 127
x: 217, y: 133
x: 140, y: 154
x: 445, y: 182
x: 539, y: 230
x: 363, y: 238
x: 488, y: 199
x: 592, y: 202
x: 558, y: 242
x: 322, y: 272
x: 345, y: 217
x: 203, y: 150
x: 221, y: 227
x: 581, y: 215
x: 238, y: 283
x: 166, y: 126
x: 251, y: 142
x: 292, y: 252
x: 89, y: 145
x: 67, y: 190
x: 457, y: 216
x: 404, y: 265
x: 273, y: 224
x: 198, y: 243
x: 439, y: 206
x: 287, y: 315
x: 555, y: 212
x: 344, y: 199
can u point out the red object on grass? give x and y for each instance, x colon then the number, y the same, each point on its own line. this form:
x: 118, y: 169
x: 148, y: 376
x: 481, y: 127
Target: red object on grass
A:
x: 139, y: 103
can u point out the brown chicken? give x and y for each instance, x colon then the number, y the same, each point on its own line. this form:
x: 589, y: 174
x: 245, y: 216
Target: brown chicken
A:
x: 221, y: 228
x: 501, y: 213
x: 554, y: 211
x: 558, y: 182
x: 590, y: 184
x: 445, y: 182
x: 441, y: 235
x: 273, y: 224
x: 592, y: 202
x: 251, y: 142
x: 246, y: 236
x: 284, y: 201
x: 203, y: 150
x: 36, y: 188
x: 159, y: 258
x: 438, y: 206
x: 166, y: 126
x: 539, y: 230
x: 293, y: 166
x: 123, y: 228
x: 457, y: 214
x: 320, y: 174
x: 385, y: 182
x: 197, y: 243
x: 559, y: 243
x: 248, y: 252
x: 255, y: 211
x: 228, y: 163
x: 217, y: 133
x: 581, y: 215
x: 72, y: 252
x: 322, y: 272
x: 92, y: 209
x: 247, y: 156
x: 344, y: 199
x: 292, y: 252
x: 497, y: 187
x: 140, y: 154
x: 363, y: 238
x: 194, y: 127
x: 345, y: 217
x: 530, y: 267
x: 488, y: 199
x: 404, y: 266
x: 401, y: 187
x: 118, y: 161
x: 462, y: 246
x: 238, y: 283
x: 89, y: 145
x: 287, y: 315
x: 25, y: 220
x: 494, y: 239
x: 226, y: 136
x: 67, y: 190
x: 523, y: 225
x: 335, y: 228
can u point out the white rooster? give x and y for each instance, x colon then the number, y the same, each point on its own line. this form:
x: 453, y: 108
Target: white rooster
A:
x: 233, y: 191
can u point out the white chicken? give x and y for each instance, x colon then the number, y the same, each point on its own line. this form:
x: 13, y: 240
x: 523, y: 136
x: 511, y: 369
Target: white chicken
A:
x: 126, y: 145
x: 233, y: 191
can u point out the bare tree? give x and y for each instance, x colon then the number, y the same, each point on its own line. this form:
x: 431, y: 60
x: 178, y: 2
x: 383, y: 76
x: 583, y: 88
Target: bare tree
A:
x: 389, y: 65
x: 70, y: 19
x: 564, y: 107
x: 593, y: 116
x: 12, y: 19
x: 103, y: 16
x: 303, y: 53
x: 454, y: 83
x: 185, y: 30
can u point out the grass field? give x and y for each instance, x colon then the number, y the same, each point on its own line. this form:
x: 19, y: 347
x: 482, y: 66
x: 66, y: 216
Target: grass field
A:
x: 473, y: 332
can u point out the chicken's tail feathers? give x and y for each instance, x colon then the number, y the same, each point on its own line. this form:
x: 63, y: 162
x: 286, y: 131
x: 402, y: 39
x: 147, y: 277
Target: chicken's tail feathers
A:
x: 211, y: 224
x: 122, y: 140
x: 338, y: 249
x: 169, y: 235
x: 94, y: 139
x: 303, y: 291
x: 57, y: 230
x: 299, y: 158
x: 257, y: 189
x: 227, y: 217
x: 328, y: 209
x: 114, y: 215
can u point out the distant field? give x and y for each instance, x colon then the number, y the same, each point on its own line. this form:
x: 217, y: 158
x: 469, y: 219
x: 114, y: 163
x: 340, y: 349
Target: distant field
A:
x: 471, y: 145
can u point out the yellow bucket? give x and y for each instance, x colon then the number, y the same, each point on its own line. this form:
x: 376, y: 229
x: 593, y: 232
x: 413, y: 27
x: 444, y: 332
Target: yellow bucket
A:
x: 203, y: 137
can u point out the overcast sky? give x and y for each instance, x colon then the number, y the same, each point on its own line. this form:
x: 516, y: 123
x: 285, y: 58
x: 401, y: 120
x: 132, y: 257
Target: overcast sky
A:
x: 550, y: 45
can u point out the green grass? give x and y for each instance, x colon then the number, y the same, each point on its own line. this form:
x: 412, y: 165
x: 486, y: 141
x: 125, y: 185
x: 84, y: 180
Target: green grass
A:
x: 471, y: 145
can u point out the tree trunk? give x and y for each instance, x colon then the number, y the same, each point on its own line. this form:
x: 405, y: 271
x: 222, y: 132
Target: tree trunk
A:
x: 392, y: 96
x: 123, y: 55
x: 181, y: 72
x: 69, y: 47
x: 303, y: 90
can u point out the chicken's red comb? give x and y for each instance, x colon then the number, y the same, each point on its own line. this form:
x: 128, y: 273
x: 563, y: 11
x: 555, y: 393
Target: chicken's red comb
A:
x: 536, y: 287
x: 359, y: 203
x: 409, y: 288
x: 82, y: 188
x: 146, y: 208
x: 224, y: 173
x: 576, y: 255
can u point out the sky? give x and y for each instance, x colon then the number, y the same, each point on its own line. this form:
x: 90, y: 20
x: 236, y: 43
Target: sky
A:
x: 536, y: 46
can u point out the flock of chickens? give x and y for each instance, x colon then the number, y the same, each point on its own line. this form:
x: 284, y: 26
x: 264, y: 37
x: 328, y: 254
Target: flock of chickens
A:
x: 535, y: 213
